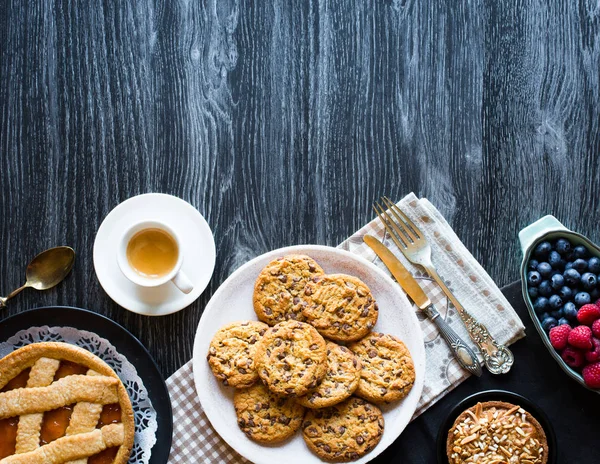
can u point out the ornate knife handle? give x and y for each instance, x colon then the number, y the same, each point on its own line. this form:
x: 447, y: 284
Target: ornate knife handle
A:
x: 463, y: 354
x: 497, y: 358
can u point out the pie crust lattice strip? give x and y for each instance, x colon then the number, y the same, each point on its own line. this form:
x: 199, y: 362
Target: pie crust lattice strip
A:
x: 61, y: 404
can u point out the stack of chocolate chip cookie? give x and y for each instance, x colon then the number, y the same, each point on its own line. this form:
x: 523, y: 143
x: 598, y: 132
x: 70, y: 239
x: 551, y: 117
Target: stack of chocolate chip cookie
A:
x: 297, y: 353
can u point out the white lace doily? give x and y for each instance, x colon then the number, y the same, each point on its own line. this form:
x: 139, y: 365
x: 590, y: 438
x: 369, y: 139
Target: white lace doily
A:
x: 145, y: 414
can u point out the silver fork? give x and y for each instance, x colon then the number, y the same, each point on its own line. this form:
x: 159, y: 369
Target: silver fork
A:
x: 410, y: 240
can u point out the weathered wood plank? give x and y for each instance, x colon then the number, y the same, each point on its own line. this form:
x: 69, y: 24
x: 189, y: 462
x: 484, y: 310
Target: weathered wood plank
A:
x: 282, y: 121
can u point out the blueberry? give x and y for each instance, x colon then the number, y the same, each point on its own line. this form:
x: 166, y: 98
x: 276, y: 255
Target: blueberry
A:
x: 582, y: 298
x: 572, y: 277
x: 580, y: 252
x: 588, y: 281
x: 580, y: 265
x: 569, y: 265
x: 533, y: 292
x: 555, y: 301
x: 558, y: 281
x: 545, y: 288
x: 542, y: 250
x: 565, y: 293
x: 554, y: 259
x: 541, y: 305
x: 549, y: 323
x: 544, y: 269
x: 533, y: 264
x: 562, y: 246
x: 557, y: 314
x: 570, y: 311
x: 594, y: 265
x: 563, y: 321
x: 595, y: 294
x: 533, y: 278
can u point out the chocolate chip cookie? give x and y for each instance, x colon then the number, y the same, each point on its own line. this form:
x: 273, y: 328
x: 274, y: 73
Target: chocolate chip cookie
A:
x: 291, y: 358
x: 279, y: 288
x: 340, y: 307
x: 388, y: 372
x: 341, y: 379
x: 231, y: 353
x: 343, y: 432
x: 264, y: 416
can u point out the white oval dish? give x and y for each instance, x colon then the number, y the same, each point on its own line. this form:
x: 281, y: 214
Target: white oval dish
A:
x: 550, y: 228
x: 233, y: 302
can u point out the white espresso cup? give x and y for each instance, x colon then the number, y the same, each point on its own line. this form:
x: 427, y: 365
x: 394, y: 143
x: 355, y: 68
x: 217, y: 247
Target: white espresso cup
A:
x: 175, y: 275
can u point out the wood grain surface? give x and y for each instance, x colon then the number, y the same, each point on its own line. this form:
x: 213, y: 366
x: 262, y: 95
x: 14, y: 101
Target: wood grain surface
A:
x: 282, y: 121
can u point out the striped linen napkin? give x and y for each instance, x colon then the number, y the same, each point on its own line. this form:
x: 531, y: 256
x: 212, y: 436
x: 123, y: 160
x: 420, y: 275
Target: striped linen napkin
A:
x: 194, y: 439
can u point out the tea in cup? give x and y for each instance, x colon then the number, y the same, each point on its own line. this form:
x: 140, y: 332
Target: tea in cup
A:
x: 150, y: 255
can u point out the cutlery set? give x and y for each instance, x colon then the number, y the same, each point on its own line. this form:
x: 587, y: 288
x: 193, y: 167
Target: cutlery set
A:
x: 411, y: 241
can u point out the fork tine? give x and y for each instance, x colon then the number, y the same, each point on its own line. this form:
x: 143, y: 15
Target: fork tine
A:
x: 389, y: 224
x: 381, y: 214
x: 399, y: 221
x: 411, y: 224
x: 385, y: 220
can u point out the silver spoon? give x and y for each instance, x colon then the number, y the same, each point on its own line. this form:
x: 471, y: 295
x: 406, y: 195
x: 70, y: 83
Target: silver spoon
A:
x: 46, y: 270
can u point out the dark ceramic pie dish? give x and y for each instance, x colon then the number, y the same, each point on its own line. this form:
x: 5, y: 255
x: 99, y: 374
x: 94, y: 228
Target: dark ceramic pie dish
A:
x: 496, y: 395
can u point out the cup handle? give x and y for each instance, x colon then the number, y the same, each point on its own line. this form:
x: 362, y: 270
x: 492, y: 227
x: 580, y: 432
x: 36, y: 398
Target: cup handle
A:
x: 182, y: 282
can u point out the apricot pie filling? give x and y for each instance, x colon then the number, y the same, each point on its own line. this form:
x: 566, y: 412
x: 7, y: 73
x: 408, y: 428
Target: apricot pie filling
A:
x: 73, y: 410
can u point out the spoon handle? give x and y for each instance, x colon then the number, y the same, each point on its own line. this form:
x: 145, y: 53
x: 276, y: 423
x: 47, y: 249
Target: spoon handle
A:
x: 4, y: 299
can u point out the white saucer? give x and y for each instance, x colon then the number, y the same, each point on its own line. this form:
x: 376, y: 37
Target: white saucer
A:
x: 197, y: 246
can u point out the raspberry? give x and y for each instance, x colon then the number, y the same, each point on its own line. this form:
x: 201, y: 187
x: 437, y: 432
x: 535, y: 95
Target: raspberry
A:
x: 559, y: 336
x: 588, y: 313
x: 581, y: 337
x: 572, y: 357
x: 591, y: 375
x: 596, y: 328
x: 594, y: 355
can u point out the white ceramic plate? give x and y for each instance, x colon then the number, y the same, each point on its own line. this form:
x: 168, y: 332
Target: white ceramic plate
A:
x: 233, y: 302
x: 197, y: 247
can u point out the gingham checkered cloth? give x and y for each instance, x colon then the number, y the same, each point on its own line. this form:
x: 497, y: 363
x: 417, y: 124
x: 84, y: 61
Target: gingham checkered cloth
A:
x: 195, y: 441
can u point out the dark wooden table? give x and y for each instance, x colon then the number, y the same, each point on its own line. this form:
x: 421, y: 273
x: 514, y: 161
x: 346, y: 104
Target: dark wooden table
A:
x: 282, y: 121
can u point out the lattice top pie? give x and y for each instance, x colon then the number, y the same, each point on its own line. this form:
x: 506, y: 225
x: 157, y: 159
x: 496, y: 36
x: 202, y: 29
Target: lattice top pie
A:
x: 61, y: 404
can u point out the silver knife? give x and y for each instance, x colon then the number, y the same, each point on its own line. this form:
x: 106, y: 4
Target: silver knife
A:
x: 463, y: 354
